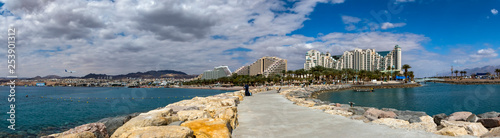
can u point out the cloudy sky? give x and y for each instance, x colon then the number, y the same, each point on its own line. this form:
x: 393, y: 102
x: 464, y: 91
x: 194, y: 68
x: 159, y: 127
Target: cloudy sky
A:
x: 122, y: 36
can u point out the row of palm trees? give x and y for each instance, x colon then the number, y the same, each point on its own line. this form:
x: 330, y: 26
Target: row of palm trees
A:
x: 462, y: 73
x: 316, y: 74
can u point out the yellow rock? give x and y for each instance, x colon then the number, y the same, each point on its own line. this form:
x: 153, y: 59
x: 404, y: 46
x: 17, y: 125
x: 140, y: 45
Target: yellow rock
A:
x: 85, y: 134
x: 452, y: 131
x: 159, y: 132
x: 188, y: 115
x: 209, y: 128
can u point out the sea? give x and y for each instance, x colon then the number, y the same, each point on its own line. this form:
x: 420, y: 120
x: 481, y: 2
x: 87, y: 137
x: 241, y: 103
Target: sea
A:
x: 432, y: 98
x: 46, y: 110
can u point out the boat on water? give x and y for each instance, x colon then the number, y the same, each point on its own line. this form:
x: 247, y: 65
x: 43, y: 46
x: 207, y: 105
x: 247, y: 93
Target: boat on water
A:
x: 364, y: 90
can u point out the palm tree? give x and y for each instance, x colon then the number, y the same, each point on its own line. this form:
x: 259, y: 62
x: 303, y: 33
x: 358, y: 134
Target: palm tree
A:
x: 456, y: 74
x: 465, y: 73
x: 406, y: 67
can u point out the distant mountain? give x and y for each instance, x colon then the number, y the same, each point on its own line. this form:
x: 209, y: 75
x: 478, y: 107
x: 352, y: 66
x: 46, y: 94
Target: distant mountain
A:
x: 145, y: 75
x: 485, y: 69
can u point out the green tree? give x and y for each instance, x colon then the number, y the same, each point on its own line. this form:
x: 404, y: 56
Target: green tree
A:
x: 406, y: 67
x: 456, y: 74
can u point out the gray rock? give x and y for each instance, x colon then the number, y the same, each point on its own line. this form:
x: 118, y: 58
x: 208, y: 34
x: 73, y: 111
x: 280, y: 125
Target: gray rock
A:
x: 409, y: 118
x: 492, y: 114
x: 113, y: 123
x: 176, y: 123
x: 411, y: 113
x: 472, y: 118
x: 389, y: 109
x: 437, y: 118
x: 357, y: 110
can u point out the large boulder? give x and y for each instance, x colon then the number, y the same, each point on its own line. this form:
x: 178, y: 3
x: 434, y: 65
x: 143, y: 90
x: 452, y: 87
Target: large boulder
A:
x: 159, y: 132
x: 495, y: 132
x: 357, y: 110
x: 475, y: 129
x: 394, y: 123
x: 209, y: 128
x: 492, y: 114
x: 143, y: 120
x: 459, y: 116
x: 452, y: 131
x: 490, y: 122
x: 228, y: 113
x: 177, y: 108
x: 426, y: 124
x: 472, y: 118
x: 437, y: 118
x: 379, y: 113
x: 113, y: 123
x: 95, y: 130
x: 410, y: 116
x: 188, y: 115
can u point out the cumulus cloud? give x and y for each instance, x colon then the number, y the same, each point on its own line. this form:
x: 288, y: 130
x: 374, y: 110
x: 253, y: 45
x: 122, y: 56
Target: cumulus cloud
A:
x: 494, y: 11
x: 388, y: 25
x: 349, y: 19
x: 484, y: 53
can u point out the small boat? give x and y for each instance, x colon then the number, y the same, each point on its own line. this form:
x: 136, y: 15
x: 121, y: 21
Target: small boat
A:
x: 364, y: 90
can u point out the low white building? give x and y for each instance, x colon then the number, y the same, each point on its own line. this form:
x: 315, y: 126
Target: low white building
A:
x: 218, y: 72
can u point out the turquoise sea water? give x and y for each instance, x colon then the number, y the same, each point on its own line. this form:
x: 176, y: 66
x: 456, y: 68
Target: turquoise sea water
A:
x: 432, y: 98
x: 66, y: 107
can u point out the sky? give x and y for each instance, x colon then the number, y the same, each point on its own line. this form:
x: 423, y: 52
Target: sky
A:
x: 123, y: 36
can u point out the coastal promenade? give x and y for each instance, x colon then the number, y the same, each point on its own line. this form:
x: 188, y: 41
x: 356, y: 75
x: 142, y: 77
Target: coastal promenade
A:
x: 269, y: 114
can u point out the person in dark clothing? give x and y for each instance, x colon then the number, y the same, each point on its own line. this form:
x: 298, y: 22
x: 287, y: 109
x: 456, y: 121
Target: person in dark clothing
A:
x: 247, y: 93
x: 351, y: 103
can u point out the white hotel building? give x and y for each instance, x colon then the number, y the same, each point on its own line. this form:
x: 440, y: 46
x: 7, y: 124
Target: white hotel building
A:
x: 358, y: 59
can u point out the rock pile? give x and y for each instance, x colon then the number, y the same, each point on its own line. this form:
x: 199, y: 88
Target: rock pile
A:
x: 212, y: 116
x: 456, y: 124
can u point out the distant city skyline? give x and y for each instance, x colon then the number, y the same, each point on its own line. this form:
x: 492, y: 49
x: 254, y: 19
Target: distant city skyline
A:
x: 116, y: 37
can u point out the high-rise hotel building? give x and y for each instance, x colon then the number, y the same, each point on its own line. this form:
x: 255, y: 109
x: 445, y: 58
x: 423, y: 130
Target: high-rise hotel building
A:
x: 358, y: 59
x: 264, y: 66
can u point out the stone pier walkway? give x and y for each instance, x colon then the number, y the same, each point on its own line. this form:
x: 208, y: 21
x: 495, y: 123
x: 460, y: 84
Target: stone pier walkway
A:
x: 270, y: 115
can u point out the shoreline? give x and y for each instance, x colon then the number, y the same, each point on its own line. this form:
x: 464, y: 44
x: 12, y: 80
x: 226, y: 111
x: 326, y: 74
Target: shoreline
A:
x: 468, y: 82
x: 354, y: 87
x: 457, y: 124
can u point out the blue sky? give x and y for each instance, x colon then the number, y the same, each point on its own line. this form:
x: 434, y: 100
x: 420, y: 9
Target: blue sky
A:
x: 115, y: 37
x: 447, y: 23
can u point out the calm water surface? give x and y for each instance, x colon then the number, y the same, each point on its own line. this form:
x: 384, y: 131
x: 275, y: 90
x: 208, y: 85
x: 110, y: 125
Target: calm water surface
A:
x: 66, y: 107
x: 432, y: 98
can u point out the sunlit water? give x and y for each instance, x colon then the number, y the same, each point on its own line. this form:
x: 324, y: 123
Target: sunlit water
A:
x: 432, y: 98
x: 62, y: 108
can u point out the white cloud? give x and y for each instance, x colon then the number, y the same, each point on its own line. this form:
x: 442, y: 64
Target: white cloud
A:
x: 484, y: 53
x: 494, y: 11
x: 388, y: 25
x: 350, y: 19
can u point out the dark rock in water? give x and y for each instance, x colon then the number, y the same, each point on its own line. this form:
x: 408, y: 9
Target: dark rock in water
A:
x: 472, y: 118
x: 490, y: 122
x: 409, y: 118
x: 357, y: 110
x: 492, y: 114
x: 437, y: 118
x: 113, y: 123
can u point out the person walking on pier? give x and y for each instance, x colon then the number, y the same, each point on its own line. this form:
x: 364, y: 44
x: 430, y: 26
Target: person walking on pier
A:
x: 247, y: 93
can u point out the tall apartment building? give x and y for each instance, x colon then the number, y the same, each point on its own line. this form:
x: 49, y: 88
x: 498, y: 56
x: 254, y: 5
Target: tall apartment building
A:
x: 218, y: 72
x: 357, y: 59
x: 264, y: 66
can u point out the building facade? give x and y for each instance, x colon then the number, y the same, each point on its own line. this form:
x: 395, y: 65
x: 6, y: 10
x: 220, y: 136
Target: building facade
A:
x: 264, y: 66
x: 357, y: 59
x: 218, y: 72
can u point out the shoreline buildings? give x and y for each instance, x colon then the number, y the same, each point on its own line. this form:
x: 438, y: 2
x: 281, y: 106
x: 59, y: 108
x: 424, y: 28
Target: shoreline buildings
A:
x: 264, y: 66
x: 357, y: 59
x: 218, y: 72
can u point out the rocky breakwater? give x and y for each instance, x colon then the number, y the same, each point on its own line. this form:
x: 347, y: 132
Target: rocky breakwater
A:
x: 456, y: 124
x: 212, y: 116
